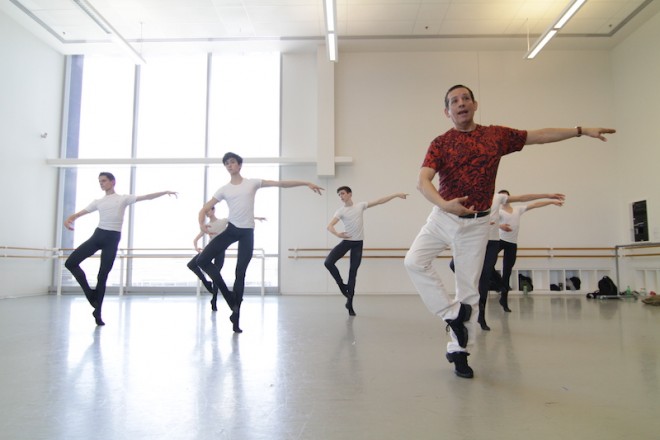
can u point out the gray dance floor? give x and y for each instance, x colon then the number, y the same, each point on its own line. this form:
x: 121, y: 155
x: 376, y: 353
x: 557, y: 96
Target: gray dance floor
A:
x: 166, y: 367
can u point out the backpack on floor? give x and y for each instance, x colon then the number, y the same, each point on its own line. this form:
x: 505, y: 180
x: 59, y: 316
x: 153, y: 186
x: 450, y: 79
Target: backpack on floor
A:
x: 524, y: 281
x: 576, y: 282
x: 606, y: 287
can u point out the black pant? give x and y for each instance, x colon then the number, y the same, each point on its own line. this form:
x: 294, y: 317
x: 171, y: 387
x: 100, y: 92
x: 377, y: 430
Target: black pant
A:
x: 216, y: 250
x: 193, y: 265
x: 355, y: 246
x: 509, y: 260
x: 488, y: 272
x: 105, y: 241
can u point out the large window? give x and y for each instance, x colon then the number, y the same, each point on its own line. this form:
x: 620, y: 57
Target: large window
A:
x: 191, y: 106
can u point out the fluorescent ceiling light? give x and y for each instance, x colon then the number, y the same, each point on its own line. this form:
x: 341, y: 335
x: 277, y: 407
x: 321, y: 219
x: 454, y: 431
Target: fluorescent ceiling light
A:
x: 329, y: 15
x: 566, y: 15
x: 115, y: 36
x: 331, y: 32
x: 540, y: 44
x: 332, y: 46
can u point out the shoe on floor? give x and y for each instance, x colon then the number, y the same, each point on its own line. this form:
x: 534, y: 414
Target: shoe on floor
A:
x: 459, y: 359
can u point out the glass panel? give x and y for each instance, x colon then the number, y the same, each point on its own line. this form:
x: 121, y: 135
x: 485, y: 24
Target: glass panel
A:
x: 172, y: 107
x: 172, y: 120
x: 244, y: 117
x: 106, y: 113
x: 167, y: 223
x: 245, y: 104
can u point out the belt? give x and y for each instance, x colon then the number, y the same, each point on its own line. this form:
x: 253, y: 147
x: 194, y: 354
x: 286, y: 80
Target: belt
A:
x: 476, y: 214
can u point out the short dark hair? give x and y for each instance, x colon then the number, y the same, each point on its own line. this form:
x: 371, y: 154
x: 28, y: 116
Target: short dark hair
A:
x: 110, y: 176
x: 344, y: 188
x: 231, y: 155
x: 503, y: 191
x: 452, y: 88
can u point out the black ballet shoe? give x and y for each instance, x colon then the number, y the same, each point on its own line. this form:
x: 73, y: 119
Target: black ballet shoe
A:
x: 214, y: 304
x: 483, y: 325
x: 97, y: 317
x: 344, y: 290
x: 504, y: 301
x: 235, y: 317
x: 349, y: 306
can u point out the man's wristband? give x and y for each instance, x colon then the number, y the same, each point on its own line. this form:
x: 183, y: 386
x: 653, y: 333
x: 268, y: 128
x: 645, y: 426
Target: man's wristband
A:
x: 579, y: 131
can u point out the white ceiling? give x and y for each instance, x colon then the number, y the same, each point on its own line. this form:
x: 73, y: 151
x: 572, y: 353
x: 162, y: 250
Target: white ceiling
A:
x: 145, y: 23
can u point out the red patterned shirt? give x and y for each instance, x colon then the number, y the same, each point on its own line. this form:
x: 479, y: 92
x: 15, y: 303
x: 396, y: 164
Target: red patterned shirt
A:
x: 467, y: 162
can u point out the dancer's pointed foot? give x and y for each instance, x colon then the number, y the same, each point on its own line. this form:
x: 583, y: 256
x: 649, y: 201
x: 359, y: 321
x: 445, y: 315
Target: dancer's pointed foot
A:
x: 214, y: 303
x: 97, y: 317
x: 344, y: 290
x: 234, y: 318
x: 349, y: 305
x: 504, y: 301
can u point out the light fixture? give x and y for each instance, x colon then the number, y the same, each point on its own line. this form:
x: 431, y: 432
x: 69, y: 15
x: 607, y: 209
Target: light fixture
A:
x: 565, y: 15
x: 331, y: 40
x: 330, y: 28
x: 115, y: 36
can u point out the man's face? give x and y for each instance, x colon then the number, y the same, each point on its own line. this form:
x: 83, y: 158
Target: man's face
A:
x: 232, y: 166
x: 106, y: 183
x: 461, y: 107
x: 344, y: 195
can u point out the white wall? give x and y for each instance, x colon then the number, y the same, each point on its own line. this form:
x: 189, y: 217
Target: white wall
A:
x: 636, y: 101
x: 31, y: 81
x: 390, y: 105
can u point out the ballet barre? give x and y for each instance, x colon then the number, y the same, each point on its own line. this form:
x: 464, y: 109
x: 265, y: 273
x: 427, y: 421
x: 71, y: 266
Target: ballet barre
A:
x: 60, y: 254
x: 125, y: 254
x: 523, y: 252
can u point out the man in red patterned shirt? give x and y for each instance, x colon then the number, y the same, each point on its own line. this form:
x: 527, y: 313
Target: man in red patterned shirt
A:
x: 466, y: 159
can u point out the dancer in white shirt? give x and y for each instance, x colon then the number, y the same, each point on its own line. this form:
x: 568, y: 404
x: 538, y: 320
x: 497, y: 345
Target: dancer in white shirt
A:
x: 106, y: 238
x: 239, y: 194
x: 351, y: 215
x: 488, y: 271
x: 510, y: 216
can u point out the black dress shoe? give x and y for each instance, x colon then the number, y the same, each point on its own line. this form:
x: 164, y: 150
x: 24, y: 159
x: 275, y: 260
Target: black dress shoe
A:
x: 457, y: 325
x: 459, y: 359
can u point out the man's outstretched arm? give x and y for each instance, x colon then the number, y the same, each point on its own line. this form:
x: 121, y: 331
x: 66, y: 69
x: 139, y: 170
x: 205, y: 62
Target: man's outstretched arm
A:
x: 548, y: 135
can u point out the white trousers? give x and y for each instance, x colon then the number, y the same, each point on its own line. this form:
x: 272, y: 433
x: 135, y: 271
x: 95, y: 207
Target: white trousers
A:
x: 467, y: 239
